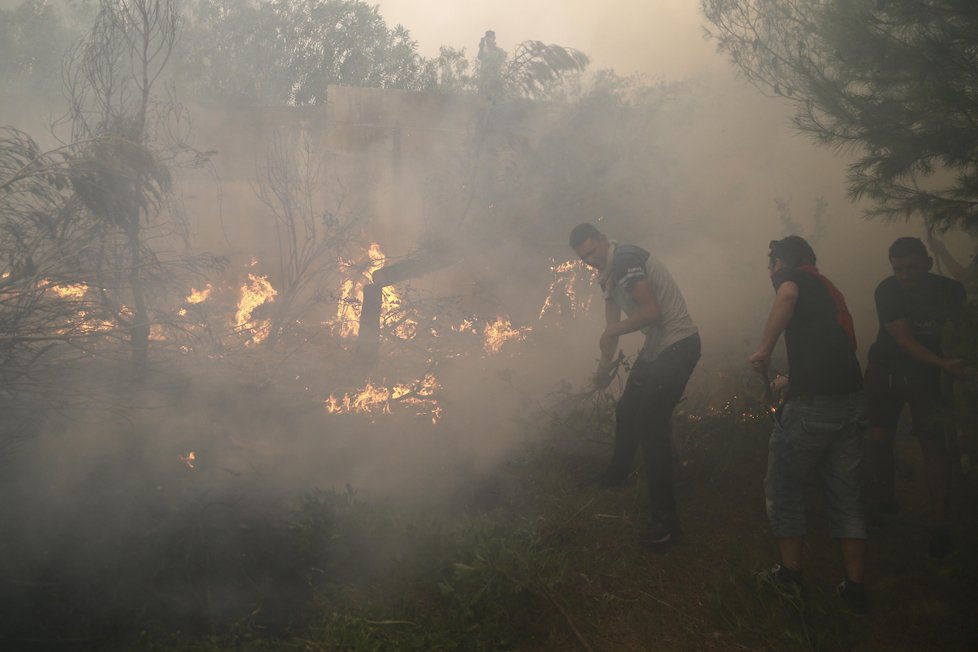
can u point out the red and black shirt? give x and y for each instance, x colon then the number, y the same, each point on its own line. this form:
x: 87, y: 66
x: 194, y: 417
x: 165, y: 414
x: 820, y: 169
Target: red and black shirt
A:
x: 820, y: 338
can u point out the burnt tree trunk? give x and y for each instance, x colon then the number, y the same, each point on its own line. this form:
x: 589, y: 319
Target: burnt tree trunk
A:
x: 139, y: 326
x: 368, y: 342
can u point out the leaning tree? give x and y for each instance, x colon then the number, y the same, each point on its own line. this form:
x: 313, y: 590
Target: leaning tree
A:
x: 48, y: 321
x: 130, y: 140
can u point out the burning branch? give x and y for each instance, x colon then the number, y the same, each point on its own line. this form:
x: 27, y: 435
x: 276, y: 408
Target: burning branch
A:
x: 254, y: 294
x: 378, y: 398
x: 569, y: 294
x: 373, y: 295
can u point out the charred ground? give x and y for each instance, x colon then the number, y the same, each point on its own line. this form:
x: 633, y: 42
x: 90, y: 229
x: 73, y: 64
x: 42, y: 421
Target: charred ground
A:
x: 149, y: 552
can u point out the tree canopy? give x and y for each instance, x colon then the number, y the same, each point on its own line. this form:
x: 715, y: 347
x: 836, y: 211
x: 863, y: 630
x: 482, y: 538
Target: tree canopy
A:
x: 33, y: 38
x: 894, y: 80
x: 278, y: 53
x: 288, y: 51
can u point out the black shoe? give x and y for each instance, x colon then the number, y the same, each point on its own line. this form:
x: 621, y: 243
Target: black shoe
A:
x: 889, y: 507
x: 940, y: 543
x: 854, y: 597
x: 782, y: 581
x: 660, y: 535
x: 611, y: 479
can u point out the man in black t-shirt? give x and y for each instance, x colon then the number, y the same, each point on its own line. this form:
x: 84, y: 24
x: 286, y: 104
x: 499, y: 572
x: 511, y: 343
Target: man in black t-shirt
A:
x: 817, y: 429
x: 905, y: 366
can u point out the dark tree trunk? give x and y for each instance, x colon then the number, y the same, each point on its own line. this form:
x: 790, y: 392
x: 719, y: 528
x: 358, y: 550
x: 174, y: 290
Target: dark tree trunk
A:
x: 139, y: 327
x: 373, y: 294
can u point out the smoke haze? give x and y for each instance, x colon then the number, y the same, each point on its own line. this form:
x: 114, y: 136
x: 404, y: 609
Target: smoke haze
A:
x: 731, y: 175
x: 662, y: 39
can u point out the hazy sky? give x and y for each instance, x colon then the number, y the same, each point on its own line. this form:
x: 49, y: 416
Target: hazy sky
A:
x: 663, y: 38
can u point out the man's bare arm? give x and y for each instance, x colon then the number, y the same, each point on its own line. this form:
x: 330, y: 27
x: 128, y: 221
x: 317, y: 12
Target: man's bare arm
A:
x: 648, y: 310
x: 777, y: 320
x: 901, y: 332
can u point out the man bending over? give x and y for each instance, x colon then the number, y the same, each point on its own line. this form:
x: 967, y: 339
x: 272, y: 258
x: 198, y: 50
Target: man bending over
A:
x: 637, y: 284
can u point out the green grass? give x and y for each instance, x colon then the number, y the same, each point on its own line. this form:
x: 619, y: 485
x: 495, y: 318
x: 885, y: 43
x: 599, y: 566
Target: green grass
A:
x: 534, y: 558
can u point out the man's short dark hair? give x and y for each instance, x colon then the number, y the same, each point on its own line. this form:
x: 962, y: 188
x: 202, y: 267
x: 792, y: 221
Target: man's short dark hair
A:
x: 793, y: 251
x: 582, y: 232
x: 908, y: 246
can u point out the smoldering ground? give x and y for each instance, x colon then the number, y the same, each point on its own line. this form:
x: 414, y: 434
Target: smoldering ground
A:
x: 194, y: 501
x: 108, y: 517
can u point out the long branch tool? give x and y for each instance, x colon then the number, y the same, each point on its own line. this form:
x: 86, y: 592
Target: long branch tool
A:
x: 602, y: 380
x: 771, y: 402
x: 768, y: 392
x: 599, y: 383
x: 607, y: 375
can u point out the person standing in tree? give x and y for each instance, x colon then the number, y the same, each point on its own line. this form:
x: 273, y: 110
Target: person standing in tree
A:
x: 491, y: 59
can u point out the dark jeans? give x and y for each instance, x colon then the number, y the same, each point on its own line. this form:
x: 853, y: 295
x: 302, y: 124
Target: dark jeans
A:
x: 888, y: 393
x: 644, y: 418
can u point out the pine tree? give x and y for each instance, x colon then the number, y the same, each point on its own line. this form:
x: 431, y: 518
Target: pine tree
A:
x: 895, y: 81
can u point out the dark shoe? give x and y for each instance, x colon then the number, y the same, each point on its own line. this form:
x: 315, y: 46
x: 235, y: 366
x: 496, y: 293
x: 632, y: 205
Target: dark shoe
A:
x: 612, y: 478
x: 888, y: 507
x: 660, y: 535
x: 782, y: 581
x: 854, y: 597
x: 940, y: 543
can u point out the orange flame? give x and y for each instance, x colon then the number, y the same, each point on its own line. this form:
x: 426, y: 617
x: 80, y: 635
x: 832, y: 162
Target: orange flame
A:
x: 157, y: 332
x: 466, y: 326
x: 83, y: 322
x: 67, y: 290
x: 350, y: 304
x: 199, y: 296
x: 256, y: 292
x: 377, y: 399
x: 501, y: 331
x: 372, y: 398
x: 91, y: 325
x: 494, y: 333
x: 562, y: 296
x: 347, y: 320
